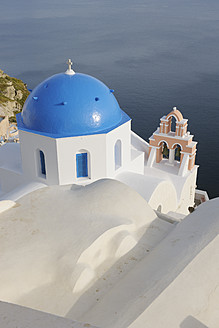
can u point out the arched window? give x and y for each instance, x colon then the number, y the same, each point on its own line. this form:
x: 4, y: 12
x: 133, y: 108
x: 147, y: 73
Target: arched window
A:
x: 42, y: 163
x: 177, y: 153
x: 165, y: 150
x: 118, y: 154
x: 173, y: 124
x: 82, y: 164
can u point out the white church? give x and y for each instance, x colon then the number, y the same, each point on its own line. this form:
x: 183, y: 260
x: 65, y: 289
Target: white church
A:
x: 72, y: 131
x: 95, y: 229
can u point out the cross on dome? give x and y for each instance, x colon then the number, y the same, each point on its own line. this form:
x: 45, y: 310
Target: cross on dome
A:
x: 69, y: 70
x: 69, y: 62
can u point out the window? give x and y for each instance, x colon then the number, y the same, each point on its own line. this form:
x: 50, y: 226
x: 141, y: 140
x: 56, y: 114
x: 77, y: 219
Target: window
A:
x: 42, y: 163
x: 81, y: 164
x: 118, y: 154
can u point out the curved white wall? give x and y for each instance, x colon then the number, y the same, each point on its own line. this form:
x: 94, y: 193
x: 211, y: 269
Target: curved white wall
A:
x: 155, y: 191
x: 164, y: 197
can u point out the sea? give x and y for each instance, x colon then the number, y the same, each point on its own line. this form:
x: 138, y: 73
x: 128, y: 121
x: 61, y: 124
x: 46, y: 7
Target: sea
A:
x: 155, y: 54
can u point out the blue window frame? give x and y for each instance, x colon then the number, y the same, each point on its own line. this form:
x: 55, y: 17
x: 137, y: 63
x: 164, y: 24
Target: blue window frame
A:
x: 42, y: 163
x: 81, y: 163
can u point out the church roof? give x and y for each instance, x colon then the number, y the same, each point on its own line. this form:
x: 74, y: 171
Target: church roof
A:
x: 71, y: 104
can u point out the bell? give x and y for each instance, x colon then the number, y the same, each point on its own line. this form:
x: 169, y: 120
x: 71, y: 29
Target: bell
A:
x: 177, y: 156
x: 165, y: 151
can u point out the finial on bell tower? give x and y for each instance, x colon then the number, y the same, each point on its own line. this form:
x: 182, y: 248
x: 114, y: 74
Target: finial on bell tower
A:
x: 69, y: 70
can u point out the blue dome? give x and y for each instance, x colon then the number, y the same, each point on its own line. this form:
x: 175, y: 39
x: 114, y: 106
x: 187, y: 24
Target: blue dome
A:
x: 71, y: 105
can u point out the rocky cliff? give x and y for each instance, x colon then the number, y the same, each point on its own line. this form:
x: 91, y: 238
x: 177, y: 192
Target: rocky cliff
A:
x: 13, y: 93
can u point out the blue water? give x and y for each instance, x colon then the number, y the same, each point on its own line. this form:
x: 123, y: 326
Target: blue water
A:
x: 156, y: 54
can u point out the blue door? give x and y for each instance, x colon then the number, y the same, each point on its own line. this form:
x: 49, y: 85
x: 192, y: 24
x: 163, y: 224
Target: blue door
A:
x: 81, y: 162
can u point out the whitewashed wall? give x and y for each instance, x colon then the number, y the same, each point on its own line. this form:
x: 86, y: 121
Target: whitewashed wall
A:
x: 67, y: 148
x: 188, y: 192
x: 30, y: 145
x: 10, y: 180
x: 164, y: 197
x: 60, y: 156
x: 122, y: 133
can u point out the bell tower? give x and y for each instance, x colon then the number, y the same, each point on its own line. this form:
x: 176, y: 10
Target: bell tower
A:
x: 171, y: 144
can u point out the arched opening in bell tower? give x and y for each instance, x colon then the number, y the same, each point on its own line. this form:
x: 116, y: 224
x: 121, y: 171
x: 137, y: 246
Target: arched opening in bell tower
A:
x: 177, y: 153
x: 165, y: 150
x: 173, y: 124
